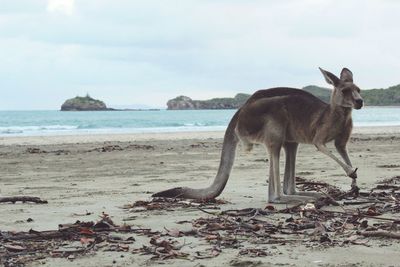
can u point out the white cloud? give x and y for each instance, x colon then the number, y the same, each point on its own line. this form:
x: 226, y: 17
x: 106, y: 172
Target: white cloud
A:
x: 154, y: 50
x: 66, y: 7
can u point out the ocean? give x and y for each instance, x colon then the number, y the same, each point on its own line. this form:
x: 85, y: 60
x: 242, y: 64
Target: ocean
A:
x: 35, y: 123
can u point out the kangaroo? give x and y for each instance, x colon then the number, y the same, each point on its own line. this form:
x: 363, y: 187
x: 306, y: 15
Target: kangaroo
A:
x: 284, y: 117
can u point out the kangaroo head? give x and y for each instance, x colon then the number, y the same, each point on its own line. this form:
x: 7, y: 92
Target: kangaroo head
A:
x: 345, y: 92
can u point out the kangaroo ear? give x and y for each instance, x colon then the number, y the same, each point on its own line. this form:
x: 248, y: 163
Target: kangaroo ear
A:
x: 330, y: 77
x: 346, y: 75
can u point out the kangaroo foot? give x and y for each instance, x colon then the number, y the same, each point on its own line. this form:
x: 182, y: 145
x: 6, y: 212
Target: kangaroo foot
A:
x: 283, y: 199
x: 315, y: 195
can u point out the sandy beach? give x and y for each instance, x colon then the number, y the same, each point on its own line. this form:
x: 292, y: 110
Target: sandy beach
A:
x: 101, y: 173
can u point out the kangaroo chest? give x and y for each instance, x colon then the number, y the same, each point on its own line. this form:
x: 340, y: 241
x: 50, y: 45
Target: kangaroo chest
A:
x: 337, y: 124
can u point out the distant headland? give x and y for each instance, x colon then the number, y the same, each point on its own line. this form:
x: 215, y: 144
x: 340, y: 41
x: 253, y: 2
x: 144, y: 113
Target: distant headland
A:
x: 372, y: 97
x: 184, y: 102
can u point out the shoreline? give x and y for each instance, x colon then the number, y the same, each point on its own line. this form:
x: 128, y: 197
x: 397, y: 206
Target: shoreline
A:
x: 374, y: 131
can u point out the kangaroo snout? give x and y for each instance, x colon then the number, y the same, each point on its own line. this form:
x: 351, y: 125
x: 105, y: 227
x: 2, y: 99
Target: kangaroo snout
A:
x: 358, y: 103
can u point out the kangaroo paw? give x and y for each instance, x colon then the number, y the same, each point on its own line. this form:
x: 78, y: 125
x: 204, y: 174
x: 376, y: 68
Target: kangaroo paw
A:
x: 353, y: 174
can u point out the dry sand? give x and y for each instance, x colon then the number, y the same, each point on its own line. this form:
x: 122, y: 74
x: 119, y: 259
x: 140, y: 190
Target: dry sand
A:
x: 75, y: 177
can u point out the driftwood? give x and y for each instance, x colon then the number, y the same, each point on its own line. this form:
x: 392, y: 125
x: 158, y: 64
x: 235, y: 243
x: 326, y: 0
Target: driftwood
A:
x: 39, y: 235
x: 381, y: 233
x: 23, y: 199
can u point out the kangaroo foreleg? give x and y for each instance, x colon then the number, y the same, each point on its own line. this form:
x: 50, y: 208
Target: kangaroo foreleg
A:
x: 343, y: 153
x: 346, y: 167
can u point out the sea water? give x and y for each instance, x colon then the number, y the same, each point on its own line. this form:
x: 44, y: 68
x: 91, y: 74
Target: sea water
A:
x: 32, y: 123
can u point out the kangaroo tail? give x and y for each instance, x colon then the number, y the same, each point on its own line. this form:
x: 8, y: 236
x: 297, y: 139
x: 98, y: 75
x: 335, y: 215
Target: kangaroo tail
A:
x: 225, y: 167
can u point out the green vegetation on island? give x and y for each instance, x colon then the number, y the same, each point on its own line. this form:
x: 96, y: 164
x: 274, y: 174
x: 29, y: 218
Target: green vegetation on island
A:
x: 382, y: 97
x: 372, y: 97
x: 184, y: 102
x: 85, y: 103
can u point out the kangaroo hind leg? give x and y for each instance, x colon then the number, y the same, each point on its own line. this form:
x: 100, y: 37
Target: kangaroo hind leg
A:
x: 275, y: 194
x: 289, y: 182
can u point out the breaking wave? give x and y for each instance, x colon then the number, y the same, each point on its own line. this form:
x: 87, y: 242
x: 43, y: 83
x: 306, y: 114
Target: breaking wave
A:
x: 36, y: 123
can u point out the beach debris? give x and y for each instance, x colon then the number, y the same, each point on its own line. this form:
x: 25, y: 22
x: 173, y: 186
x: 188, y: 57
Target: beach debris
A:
x: 261, y: 160
x: 60, y: 152
x: 23, y: 199
x: 69, y: 241
x: 106, y: 148
x: 389, y: 166
x: 351, y: 219
x: 14, y: 248
x: 307, y: 223
x: 87, y: 213
x: 236, y: 228
x: 390, y: 181
x: 245, y: 263
x: 162, y: 249
x: 208, y: 254
x: 136, y: 146
x: 317, y: 186
x: 254, y: 252
x: 381, y: 233
x: 199, y: 145
x: 111, y: 148
x: 35, y: 150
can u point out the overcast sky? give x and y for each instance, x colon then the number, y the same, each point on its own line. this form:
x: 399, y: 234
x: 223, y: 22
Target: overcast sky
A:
x: 146, y: 52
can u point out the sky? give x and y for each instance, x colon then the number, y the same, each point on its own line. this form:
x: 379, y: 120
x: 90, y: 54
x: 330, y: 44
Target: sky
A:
x: 128, y: 52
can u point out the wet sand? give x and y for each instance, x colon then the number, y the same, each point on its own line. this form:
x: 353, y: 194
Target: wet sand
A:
x: 75, y: 176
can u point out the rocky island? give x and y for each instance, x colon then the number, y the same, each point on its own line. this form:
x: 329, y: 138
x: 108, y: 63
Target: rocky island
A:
x: 85, y: 103
x: 184, y: 102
